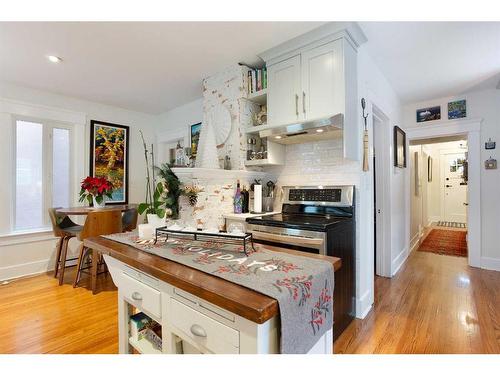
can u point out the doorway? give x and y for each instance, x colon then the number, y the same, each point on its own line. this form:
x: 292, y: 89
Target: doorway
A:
x: 438, y: 189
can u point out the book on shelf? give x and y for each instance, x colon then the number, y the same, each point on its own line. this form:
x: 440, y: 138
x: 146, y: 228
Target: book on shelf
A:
x: 257, y: 80
x: 138, y: 322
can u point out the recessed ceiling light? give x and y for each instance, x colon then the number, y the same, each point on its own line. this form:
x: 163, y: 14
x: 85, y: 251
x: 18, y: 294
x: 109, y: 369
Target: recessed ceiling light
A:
x: 278, y: 137
x: 54, y: 59
x: 319, y: 130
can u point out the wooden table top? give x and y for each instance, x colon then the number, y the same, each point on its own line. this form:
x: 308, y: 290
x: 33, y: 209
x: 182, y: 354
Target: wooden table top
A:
x: 85, y: 210
x: 238, y: 299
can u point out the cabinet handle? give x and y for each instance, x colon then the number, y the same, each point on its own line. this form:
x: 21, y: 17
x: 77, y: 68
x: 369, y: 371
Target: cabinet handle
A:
x: 136, y: 296
x: 198, y: 330
x: 304, y: 102
x: 297, y: 105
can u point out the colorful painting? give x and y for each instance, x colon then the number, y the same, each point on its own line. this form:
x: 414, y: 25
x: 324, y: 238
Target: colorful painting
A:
x: 429, y: 114
x: 457, y: 109
x: 195, y: 138
x: 109, y: 157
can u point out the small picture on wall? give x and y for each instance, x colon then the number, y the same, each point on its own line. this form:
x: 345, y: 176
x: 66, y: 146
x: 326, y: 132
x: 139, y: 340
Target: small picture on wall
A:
x: 399, y: 148
x: 195, y: 138
x: 457, y: 109
x: 429, y: 114
x: 429, y: 169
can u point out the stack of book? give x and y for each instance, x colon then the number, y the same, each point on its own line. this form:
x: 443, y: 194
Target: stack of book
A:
x: 257, y: 80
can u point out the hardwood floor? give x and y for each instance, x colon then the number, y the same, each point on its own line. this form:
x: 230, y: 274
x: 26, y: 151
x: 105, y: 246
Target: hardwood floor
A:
x: 435, y: 304
x: 39, y: 316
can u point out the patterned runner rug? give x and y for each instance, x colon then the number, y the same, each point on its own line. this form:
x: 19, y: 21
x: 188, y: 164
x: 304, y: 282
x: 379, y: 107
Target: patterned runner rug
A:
x: 302, y: 286
x: 445, y: 242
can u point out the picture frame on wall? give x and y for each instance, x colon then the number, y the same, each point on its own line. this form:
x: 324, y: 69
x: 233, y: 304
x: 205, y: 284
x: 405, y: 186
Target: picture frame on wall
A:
x: 429, y: 114
x: 429, y: 169
x: 109, y: 157
x: 457, y: 109
x: 194, y: 136
x: 399, y: 147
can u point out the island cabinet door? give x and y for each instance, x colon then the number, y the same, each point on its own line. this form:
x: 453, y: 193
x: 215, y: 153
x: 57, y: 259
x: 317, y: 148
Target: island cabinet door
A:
x: 322, y: 81
x: 283, y: 97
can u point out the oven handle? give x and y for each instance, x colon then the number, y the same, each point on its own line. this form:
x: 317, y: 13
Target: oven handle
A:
x: 292, y: 240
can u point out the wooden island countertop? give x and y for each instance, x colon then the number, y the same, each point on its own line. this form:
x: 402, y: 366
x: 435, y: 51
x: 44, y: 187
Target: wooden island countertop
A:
x: 238, y: 299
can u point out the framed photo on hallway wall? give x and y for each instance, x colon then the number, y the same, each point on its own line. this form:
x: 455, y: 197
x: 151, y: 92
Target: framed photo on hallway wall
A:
x: 109, y: 157
x: 399, y: 147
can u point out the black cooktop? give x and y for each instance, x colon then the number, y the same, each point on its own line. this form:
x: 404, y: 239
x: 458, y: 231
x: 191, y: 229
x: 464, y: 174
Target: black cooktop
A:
x: 298, y: 221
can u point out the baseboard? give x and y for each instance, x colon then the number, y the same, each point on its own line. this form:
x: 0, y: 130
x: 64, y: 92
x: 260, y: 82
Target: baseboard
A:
x: 363, y: 305
x: 25, y: 269
x: 415, y: 241
x: 399, y: 261
x: 490, y: 263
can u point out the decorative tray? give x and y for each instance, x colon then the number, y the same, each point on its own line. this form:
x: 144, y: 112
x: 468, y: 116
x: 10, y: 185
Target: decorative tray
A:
x: 242, y: 239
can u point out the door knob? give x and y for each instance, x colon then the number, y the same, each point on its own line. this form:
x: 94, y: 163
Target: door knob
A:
x: 449, y: 185
x: 466, y: 204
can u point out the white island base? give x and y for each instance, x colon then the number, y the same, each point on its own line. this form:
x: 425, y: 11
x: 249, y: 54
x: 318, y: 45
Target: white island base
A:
x: 190, y: 324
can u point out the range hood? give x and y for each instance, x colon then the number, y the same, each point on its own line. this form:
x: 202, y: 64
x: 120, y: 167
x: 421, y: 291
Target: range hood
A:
x: 306, y: 131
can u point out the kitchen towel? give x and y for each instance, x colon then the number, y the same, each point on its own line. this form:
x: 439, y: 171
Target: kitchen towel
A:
x: 302, y: 286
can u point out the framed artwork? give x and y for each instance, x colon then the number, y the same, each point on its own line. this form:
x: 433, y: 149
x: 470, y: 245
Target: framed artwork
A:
x: 399, y: 147
x: 457, y: 109
x: 429, y: 169
x: 109, y: 157
x: 417, y: 173
x: 429, y: 114
x: 195, y: 138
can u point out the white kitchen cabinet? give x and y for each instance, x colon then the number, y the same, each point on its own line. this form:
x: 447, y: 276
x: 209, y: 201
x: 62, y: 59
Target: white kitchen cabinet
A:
x: 283, y: 99
x: 322, y: 81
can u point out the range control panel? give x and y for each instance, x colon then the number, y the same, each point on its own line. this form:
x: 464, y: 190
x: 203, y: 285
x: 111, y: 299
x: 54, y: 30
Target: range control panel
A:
x: 338, y: 196
x: 315, y: 195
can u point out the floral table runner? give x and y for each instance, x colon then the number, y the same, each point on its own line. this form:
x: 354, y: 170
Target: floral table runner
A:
x: 302, y: 286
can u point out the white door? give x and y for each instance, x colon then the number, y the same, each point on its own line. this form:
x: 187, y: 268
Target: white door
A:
x: 283, y: 100
x: 322, y: 81
x: 454, y: 188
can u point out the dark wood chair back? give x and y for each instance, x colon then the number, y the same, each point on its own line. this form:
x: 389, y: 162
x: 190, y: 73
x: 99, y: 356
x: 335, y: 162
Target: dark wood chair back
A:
x: 129, y: 220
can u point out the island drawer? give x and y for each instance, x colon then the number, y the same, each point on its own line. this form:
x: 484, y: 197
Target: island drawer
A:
x: 205, y: 331
x: 141, y: 295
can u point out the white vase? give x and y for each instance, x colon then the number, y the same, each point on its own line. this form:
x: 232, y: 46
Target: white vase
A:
x: 99, y: 205
x: 156, y: 221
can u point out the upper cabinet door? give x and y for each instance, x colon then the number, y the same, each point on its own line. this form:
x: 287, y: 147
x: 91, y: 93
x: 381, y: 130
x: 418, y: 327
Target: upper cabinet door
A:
x: 283, y: 96
x: 323, y: 81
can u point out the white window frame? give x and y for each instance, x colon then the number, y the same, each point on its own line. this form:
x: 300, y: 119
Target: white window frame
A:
x: 47, y: 174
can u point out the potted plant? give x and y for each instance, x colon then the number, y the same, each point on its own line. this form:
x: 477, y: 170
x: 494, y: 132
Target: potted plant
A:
x: 94, y: 190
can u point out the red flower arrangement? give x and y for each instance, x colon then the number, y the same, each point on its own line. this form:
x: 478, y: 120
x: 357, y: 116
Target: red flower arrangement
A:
x: 95, y: 188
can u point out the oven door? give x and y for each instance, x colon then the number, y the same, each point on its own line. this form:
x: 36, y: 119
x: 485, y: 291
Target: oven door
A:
x: 297, y: 239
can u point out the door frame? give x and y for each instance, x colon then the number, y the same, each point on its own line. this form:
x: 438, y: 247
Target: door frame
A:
x: 442, y: 180
x: 471, y: 129
x: 382, y: 160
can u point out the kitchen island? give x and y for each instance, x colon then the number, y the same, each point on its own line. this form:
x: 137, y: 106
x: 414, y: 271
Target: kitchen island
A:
x: 198, y: 312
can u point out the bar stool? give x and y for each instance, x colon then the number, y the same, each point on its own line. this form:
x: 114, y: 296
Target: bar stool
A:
x: 65, y: 229
x: 98, y: 223
x: 129, y: 220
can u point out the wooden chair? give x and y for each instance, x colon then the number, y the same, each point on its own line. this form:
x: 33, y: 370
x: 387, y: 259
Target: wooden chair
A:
x: 64, y: 229
x: 97, y: 223
x: 129, y: 220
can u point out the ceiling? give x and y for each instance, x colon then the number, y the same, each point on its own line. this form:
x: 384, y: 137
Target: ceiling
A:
x: 425, y: 60
x: 145, y: 66
x: 153, y: 67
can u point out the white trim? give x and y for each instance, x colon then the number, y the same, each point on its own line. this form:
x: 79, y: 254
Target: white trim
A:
x: 363, y: 305
x: 17, y: 238
x: 25, y: 269
x: 399, y: 261
x: 470, y: 128
x: 490, y: 263
x: 415, y: 241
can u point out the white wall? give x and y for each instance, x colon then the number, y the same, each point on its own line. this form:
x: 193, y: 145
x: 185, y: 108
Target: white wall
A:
x: 17, y: 257
x: 485, y: 105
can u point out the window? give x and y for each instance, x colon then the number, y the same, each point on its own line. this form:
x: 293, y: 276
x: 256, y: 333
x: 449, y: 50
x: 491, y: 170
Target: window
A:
x: 42, y: 172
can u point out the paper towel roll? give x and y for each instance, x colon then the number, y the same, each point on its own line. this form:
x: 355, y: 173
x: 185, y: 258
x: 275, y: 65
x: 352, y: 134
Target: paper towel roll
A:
x: 257, y: 198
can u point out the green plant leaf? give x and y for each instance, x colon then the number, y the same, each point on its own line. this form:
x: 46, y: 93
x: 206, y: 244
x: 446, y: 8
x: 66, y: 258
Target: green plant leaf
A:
x: 160, y: 212
x: 89, y: 198
x: 99, y: 199
x: 142, y: 207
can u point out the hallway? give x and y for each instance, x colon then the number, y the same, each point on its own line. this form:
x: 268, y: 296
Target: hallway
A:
x: 435, y: 304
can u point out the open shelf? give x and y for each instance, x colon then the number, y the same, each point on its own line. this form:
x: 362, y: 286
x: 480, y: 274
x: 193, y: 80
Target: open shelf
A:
x: 259, y: 97
x: 143, y: 346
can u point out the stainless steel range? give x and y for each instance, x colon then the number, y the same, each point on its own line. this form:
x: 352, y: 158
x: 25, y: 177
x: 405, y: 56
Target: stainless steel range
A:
x: 318, y: 219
